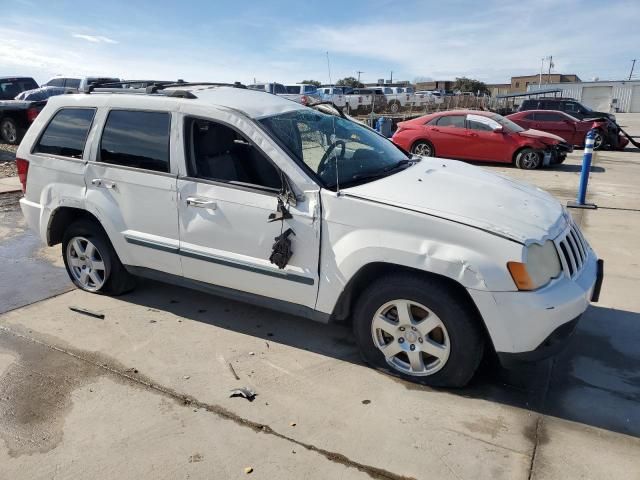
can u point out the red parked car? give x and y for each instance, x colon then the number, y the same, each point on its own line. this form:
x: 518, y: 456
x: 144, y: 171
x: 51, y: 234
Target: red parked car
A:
x: 481, y: 136
x: 572, y: 129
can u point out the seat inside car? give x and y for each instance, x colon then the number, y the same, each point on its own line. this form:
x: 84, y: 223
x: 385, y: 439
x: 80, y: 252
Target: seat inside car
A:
x: 222, y: 154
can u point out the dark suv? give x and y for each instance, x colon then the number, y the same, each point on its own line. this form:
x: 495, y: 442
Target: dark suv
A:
x: 567, y: 105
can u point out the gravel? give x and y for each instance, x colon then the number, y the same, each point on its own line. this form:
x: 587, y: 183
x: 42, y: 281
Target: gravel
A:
x: 7, y: 160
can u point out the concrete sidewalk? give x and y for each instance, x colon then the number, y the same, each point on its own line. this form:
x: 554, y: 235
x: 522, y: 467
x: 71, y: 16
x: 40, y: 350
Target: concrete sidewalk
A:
x: 10, y: 184
x: 144, y: 393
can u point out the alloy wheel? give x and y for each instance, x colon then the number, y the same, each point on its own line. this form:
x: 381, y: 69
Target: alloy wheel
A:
x: 86, y: 264
x: 530, y: 160
x: 412, y: 338
x: 598, y: 140
x: 423, y: 149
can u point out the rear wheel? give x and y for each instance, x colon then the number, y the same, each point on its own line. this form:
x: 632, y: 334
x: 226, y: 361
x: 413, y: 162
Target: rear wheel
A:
x: 91, y: 261
x: 394, y: 107
x: 9, y: 131
x: 423, y: 148
x: 418, y: 329
x: 528, y: 159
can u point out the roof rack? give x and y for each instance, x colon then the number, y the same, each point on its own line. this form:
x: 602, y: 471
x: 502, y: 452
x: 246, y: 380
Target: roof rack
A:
x: 155, y: 86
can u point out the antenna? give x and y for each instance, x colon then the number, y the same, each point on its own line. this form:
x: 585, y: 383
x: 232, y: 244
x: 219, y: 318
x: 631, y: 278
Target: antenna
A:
x: 334, y: 126
x: 359, y: 72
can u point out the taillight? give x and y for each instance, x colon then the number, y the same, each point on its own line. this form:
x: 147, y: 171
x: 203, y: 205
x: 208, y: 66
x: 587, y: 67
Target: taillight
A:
x: 32, y: 113
x: 23, y: 169
x: 304, y: 100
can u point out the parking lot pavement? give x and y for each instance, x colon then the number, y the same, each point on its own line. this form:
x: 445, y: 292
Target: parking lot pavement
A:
x: 143, y: 393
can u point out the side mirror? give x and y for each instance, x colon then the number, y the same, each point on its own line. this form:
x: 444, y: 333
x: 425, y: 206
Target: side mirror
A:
x: 498, y: 129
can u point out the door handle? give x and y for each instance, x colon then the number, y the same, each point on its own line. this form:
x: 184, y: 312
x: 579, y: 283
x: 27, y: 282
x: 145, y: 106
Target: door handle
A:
x: 201, y: 203
x: 98, y: 182
x: 472, y: 134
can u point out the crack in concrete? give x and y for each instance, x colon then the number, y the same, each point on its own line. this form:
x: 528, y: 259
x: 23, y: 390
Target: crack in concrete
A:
x: 191, y: 402
x: 536, y: 442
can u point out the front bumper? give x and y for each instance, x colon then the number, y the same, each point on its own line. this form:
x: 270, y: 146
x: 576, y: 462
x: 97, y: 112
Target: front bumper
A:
x: 521, y: 322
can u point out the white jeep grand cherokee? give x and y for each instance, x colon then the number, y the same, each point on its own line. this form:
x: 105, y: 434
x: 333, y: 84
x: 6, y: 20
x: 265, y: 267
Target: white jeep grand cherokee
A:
x: 254, y: 197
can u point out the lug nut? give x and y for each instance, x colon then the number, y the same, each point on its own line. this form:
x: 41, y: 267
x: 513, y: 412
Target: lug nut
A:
x: 413, y: 328
x: 420, y: 339
x: 412, y: 347
x: 401, y: 340
x: 402, y: 329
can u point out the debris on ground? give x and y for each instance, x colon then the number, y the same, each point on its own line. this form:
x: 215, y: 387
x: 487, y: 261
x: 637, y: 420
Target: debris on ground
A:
x: 267, y: 343
x: 233, y: 371
x: 153, y: 321
x: 90, y: 313
x: 248, y: 470
x: 244, y: 392
x: 187, y: 377
x: 252, y: 353
x: 292, y: 424
x: 131, y: 370
x: 366, y: 402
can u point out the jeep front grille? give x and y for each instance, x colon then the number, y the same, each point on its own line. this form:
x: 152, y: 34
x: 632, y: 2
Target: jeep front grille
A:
x: 573, y: 250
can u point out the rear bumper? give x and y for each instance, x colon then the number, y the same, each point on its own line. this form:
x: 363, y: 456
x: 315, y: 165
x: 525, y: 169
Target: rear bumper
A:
x: 33, y: 215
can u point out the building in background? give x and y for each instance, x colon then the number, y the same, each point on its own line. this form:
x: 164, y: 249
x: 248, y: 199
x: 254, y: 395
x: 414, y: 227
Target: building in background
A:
x: 601, y: 96
x: 522, y: 82
x: 496, y: 89
x: 442, y: 85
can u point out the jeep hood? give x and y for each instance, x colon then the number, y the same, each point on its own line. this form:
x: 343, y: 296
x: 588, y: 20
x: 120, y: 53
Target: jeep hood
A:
x: 467, y: 194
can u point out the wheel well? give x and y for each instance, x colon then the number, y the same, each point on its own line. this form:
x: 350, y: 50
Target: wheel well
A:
x: 61, y: 218
x: 517, y: 152
x: 372, y: 271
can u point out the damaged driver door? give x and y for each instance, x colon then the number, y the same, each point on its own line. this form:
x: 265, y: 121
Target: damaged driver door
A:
x: 233, y: 204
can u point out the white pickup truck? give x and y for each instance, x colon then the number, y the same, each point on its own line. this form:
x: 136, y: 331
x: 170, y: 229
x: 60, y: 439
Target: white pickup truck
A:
x: 434, y: 262
x: 332, y: 94
x: 398, y: 98
x: 302, y: 94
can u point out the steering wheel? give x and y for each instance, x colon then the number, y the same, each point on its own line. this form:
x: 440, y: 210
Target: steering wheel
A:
x: 323, y: 162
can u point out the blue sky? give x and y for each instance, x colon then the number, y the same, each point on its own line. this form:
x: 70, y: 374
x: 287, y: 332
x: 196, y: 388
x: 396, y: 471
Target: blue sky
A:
x: 286, y: 41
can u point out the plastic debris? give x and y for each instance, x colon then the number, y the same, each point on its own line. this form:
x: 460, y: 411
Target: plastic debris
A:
x: 244, y: 392
x: 187, y: 377
x: 90, y: 313
x: 233, y: 371
x: 252, y: 353
x: 292, y: 424
x: 248, y: 470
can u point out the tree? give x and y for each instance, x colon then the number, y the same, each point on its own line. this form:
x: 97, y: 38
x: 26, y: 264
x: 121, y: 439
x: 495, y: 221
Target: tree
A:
x: 349, y: 82
x: 315, y: 83
x: 464, y: 84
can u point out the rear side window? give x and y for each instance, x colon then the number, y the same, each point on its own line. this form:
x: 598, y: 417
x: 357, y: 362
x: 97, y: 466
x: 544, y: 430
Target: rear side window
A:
x: 549, y: 117
x: 455, y: 121
x: 293, y: 89
x: 136, y: 139
x: 310, y: 89
x: 66, y: 134
x: 72, y: 83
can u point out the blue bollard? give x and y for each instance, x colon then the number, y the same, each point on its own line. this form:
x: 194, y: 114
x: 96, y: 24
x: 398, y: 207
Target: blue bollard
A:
x: 584, y: 173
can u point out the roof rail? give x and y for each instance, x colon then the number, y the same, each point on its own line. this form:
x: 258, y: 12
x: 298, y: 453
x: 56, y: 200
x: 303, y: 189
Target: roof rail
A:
x: 194, y: 84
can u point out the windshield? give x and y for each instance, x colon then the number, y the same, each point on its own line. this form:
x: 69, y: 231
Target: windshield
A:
x: 508, y: 124
x: 10, y: 87
x: 323, y: 142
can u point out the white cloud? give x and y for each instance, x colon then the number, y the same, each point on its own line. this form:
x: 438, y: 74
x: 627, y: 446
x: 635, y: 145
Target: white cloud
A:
x: 93, y: 38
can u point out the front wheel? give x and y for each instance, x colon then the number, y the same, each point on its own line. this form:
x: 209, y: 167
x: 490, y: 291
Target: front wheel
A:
x: 420, y: 330
x: 528, y: 159
x: 91, y: 261
x: 598, y: 140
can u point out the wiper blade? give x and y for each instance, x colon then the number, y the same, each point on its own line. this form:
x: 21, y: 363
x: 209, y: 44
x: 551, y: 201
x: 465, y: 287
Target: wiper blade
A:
x: 359, y: 178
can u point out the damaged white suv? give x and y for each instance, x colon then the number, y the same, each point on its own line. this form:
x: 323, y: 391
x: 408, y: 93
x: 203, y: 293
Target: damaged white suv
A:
x: 254, y: 197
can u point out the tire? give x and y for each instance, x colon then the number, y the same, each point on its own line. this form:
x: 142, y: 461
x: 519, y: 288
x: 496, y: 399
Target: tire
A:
x: 599, y: 141
x: 394, y: 107
x: 84, y: 264
x: 423, y: 148
x: 453, y: 331
x: 528, y: 159
x: 9, y: 131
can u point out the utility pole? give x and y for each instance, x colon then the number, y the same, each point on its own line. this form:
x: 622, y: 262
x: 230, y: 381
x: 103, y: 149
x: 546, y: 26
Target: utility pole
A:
x: 359, y: 72
x: 550, y: 65
x: 391, y: 76
x: 540, y: 78
x: 633, y: 64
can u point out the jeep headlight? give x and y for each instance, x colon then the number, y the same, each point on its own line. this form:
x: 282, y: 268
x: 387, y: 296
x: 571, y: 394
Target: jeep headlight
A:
x: 541, y: 265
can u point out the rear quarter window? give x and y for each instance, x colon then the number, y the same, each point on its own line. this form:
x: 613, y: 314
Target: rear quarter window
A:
x: 136, y: 139
x: 66, y: 133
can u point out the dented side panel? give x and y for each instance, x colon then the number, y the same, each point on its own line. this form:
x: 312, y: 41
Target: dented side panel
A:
x: 357, y: 232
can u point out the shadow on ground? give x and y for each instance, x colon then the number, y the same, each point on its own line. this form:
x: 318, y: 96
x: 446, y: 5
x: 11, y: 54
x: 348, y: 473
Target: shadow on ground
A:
x: 595, y: 381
